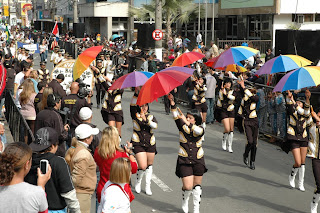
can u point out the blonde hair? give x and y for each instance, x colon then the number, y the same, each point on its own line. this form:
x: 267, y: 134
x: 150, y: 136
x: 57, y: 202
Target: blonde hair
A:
x: 70, y: 151
x: 120, y: 170
x: 33, y: 74
x: 43, y: 103
x: 109, y: 143
x: 28, y: 89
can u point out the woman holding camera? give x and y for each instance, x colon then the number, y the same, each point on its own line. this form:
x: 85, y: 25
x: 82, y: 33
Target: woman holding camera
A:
x: 226, y: 106
x: 190, y: 163
x: 114, y: 197
x: 109, y: 150
x: 297, y: 136
x: 144, y: 144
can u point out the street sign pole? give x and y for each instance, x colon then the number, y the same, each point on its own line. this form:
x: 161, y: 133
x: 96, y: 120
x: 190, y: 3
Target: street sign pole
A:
x: 158, y: 26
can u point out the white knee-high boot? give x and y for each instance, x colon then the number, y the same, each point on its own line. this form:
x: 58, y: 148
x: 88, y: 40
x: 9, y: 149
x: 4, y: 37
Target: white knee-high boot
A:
x: 149, y: 171
x: 301, y: 177
x: 224, y: 141
x: 314, y: 203
x: 140, y: 174
x: 197, y: 191
x: 185, y: 200
x: 292, y: 176
x: 230, y: 140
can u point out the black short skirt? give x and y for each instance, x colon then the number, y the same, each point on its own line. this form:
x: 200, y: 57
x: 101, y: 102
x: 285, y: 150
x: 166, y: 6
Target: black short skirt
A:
x: 111, y: 117
x: 202, y: 107
x: 185, y: 170
x: 297, y: 144
x: 150, y: 149
x: 227, y: 114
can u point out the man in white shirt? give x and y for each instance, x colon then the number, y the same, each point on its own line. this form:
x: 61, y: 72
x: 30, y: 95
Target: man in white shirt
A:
x: 178, y: 41
x: 199, y: 38
x: 19, y: 79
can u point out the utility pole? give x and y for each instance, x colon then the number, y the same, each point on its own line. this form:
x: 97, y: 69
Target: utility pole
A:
x: 206, y: 25
x: 158, y: 25
x: 199, y: 17
x: 75, y: 11
x: 130, y: 25
x: 212, y: 21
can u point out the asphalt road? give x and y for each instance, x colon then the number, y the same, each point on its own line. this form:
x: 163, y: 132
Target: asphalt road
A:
x: 228, y: 186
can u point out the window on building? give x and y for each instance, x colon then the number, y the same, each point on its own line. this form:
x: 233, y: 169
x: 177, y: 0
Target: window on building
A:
x: 308, y: 17
x: 317, y: 17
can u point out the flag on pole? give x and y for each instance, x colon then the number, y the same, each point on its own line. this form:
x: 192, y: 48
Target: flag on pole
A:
x: 8, y: 33
x: 55, y: 30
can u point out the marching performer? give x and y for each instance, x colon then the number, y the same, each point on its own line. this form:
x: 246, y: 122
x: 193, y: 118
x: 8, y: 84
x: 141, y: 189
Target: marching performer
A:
x: 111, y: 111
x: 247, y: 110
x: 144, y: 144
x: 225, y: 103
x: 200, y: 100
x: 44, y: 73
x: 313, y: 152
x: 59, y: 58
x: 97, y: 71
x: 297, y: 136
x: 190, y: 163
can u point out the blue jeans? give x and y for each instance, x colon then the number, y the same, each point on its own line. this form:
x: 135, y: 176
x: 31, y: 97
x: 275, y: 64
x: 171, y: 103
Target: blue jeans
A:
x: 58, y: 211
x: 190, y: 94
x: 210, y: 112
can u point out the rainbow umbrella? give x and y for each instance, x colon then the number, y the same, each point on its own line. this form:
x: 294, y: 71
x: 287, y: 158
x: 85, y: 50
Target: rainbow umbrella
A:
x: 283, y: 63
x: 187, y: 58
x: 235, y: 54
x: 84, y: 60
x: 233, y: 68
x: 298, y: 79
x: 133, y: 79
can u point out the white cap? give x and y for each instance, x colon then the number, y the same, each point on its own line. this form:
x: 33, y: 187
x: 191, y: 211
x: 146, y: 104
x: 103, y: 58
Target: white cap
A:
x: 84, y: 131
x: 85, y: 113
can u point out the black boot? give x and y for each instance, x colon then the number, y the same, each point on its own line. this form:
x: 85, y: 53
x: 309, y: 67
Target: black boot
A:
x: 246, y: 154
x: 253, y: 157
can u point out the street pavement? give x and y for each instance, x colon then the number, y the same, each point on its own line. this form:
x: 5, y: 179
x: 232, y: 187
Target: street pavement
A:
x: 228, y: 186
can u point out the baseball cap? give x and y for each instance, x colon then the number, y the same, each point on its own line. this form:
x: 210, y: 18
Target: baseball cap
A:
x: 44, y: 138
x: 84, y: 131
x: 85, y: 113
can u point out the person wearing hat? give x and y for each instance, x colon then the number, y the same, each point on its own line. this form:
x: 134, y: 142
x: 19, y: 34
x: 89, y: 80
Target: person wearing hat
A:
x: 50, y: 117
x: 60, y: 57
x: 55, y: 84
x: 21, y: 55
x: 98, y: 72
x: 83, y: 166
x: 297, y: 136
x: 225, y: 105
x: 86, y: 118
x: 247, y: 110
x: 43, y: 72
x: 54, y: 55
x: 59, y: 189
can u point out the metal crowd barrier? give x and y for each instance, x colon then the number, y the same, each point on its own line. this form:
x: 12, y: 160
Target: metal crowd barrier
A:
x: 17, y: 123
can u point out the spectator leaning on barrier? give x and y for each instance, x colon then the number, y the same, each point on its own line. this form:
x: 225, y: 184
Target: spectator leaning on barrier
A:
x: 83, y: 166
x: 59, y: 189
x: 50, y: 117
x: 15, y: 194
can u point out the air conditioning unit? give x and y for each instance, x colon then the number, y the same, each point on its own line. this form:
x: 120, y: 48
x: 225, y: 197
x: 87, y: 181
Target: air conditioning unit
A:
x: 300, y: 19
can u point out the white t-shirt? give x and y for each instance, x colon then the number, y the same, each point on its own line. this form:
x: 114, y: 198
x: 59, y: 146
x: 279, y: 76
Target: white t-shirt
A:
x: 19, y: 79
x: 178, y: 41
x: 23, y: 198
x: 114, y: 200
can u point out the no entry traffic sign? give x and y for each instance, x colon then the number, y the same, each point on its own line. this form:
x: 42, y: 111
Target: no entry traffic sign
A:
x: 157, y: 35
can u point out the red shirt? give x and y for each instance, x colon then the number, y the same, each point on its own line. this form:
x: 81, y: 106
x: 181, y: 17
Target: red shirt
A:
x: 105, y: 166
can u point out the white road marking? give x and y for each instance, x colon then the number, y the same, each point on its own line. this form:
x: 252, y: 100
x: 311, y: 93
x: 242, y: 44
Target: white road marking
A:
x: 161, y: 184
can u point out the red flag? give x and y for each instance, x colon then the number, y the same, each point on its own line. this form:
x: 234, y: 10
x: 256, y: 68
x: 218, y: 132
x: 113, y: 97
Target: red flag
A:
x: 55, y: 30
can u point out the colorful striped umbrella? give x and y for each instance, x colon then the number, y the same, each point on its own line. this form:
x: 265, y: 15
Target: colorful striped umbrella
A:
x: 133, y: 79
x: 84, y: 60
x: 298, y: 79
x: 187, y: 58
x: 235, y: 54
x: 233, y: 68
x: 283, y: 63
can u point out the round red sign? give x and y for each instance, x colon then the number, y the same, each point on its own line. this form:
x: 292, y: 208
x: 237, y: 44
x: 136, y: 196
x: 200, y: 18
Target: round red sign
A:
x: 157, y: 35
